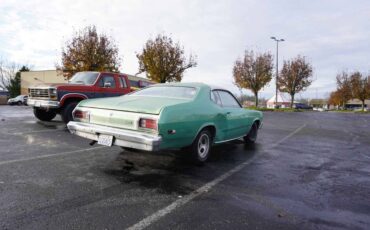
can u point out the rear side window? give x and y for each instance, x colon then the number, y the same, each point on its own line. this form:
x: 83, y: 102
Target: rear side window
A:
x: 107, y: 79
x: 228, y: 100
x: 216, y: 98
x: 122, y: 81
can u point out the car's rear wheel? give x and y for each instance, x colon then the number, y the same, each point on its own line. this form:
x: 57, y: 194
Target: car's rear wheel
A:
x: 44, y: 115
x: 201, y: 146
x: 19, y: 103
x: 67, y: 112
x: 251, y: 137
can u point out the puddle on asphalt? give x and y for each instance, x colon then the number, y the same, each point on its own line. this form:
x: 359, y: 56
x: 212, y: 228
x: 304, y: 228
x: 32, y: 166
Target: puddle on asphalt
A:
x: 174, y: 172
x: 162, y: 180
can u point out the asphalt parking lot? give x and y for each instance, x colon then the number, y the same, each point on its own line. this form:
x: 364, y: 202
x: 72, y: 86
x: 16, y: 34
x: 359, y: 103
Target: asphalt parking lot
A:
x: 307, y: 171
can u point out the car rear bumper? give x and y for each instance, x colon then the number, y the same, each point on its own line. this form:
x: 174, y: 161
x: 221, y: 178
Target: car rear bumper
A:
x: 43, y: 103
x: 121, y: 137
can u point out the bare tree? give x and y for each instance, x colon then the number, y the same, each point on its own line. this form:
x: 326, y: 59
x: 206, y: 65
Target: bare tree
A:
x: 360, y: 87
x: 295, y: 77
x: 253, y: 72
x: 8, y: 72
x: 89, y: 51
x: 163, y: 60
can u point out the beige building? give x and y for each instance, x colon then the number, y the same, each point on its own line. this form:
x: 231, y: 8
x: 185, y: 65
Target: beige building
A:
x: 39, y: 77
x: 32, y: 78
x: 356, y: 103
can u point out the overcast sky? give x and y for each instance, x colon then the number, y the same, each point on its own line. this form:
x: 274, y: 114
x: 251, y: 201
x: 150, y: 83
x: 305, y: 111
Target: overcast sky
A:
x: 333, y: 35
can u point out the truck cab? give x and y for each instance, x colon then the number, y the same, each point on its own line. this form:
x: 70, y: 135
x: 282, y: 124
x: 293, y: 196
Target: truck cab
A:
x: 48, y: 100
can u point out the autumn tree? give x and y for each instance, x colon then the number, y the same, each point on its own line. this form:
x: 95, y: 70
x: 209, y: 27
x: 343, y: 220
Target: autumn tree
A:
x: 335, y: 98
x: 89, y: 51
x: 295, y: 77
x: 360, y: 87
x: 163, y: 60
x: 344, y: 87
x: 253, y: 72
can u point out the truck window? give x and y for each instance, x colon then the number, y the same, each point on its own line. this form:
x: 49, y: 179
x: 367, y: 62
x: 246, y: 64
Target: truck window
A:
x: 122, y: 81
x: 107, y: 78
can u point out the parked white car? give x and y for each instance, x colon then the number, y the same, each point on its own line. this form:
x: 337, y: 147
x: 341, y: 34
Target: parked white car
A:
x: 18, y: 100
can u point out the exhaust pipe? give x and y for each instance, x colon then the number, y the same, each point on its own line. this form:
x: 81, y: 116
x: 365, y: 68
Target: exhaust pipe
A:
x: 92, y: 143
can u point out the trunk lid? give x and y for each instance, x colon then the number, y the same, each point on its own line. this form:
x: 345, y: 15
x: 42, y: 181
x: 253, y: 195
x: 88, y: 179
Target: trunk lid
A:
x: 136, y: 104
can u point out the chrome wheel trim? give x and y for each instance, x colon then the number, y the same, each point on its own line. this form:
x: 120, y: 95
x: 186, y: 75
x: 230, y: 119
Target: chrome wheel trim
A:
x: 203, y: 145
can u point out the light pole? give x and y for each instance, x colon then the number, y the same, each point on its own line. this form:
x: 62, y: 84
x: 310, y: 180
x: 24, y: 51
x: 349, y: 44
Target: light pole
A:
x: 277, y: 68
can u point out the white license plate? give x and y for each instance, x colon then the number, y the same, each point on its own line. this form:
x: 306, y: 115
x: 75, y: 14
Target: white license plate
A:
x: 37, y: 104
x: 106, y: 140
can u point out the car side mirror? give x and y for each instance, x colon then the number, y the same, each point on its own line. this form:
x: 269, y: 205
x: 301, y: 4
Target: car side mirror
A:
x: 107, y: 85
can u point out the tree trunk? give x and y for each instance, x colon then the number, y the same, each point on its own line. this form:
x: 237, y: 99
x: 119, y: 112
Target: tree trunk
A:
x: 363, y: 105
x: 256, y: 99
x: 292, y: 101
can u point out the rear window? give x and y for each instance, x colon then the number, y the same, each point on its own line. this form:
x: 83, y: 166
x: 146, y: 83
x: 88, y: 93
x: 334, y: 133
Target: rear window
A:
x: 167, y: 91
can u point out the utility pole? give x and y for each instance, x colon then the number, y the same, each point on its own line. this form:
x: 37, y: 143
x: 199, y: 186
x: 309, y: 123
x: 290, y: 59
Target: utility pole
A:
x: 277, y: 68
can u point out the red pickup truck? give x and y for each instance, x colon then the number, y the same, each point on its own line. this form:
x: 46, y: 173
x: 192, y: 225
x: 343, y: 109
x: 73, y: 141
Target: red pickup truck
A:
x: 52, y: 99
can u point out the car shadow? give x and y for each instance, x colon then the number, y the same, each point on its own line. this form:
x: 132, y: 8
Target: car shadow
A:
x: 174, y: 172
x: 53, y: 124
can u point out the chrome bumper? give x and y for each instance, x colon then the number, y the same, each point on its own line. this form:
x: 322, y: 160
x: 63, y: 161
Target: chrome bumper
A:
x: 124, y: 138
x: 43, y: 103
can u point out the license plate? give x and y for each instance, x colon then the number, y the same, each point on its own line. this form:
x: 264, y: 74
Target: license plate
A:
x: 37, y: 104
x: 106, y: 140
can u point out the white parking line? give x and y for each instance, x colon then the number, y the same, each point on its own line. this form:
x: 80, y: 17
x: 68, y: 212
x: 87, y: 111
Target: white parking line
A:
x: 287, y: 137
x: 205, y: 188
x: 49, y: 155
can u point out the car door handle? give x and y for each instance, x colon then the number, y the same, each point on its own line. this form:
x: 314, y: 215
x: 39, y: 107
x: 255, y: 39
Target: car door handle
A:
x: 227, y: 113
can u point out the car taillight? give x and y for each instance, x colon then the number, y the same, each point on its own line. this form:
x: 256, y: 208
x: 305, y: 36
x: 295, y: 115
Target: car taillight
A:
x: 81, y: 115
x: 148, y: 123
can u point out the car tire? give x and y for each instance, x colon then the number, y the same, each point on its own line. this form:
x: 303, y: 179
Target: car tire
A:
x: 201, y: 147
x: 44, y: 115
x: 19, y: 103
x: 251, y: 137
x: 67, y: 112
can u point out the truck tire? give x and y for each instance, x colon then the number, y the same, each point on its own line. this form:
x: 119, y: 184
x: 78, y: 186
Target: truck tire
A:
x: 44, y: 115
x: 67, y: 112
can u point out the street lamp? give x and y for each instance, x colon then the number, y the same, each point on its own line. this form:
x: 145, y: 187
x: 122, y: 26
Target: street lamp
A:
x: 277, y: 67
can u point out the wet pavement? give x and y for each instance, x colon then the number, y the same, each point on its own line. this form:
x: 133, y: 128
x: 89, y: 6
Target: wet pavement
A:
x: 308, y: 171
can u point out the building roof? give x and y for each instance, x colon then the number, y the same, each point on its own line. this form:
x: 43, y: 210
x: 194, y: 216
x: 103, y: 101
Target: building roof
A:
x: 318, y: 101
x: 357, y: 102
x: 281, y: 99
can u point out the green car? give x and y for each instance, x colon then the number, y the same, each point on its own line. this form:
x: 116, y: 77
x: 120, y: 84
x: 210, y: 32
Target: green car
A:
x: 167, y: 116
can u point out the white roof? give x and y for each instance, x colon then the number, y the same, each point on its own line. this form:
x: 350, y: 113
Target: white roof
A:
x: 280, y: 99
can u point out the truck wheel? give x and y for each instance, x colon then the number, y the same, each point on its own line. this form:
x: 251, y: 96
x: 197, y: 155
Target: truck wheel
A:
x: 44, y: 115
x: 67, y: 112
x: 201, y: 146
